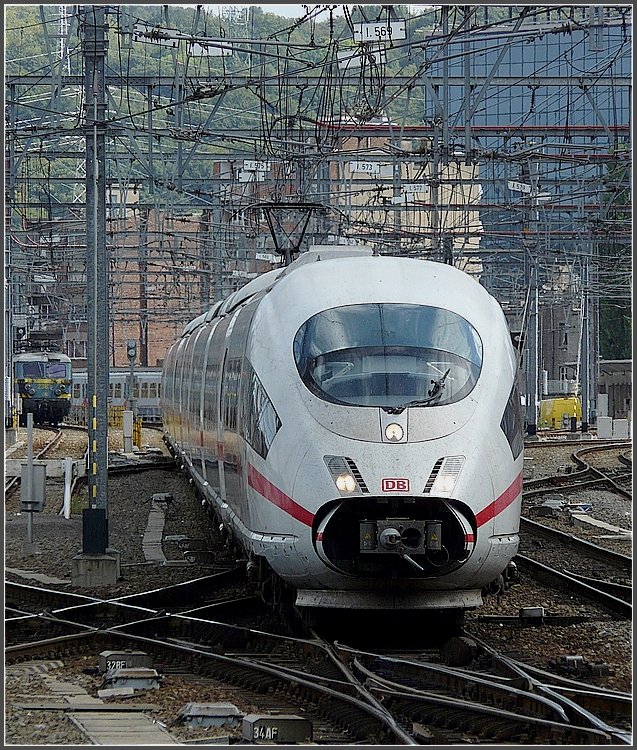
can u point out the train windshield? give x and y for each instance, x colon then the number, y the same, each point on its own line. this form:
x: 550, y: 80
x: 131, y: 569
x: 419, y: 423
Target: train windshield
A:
x: 43, y: 370
x: 388, y: 355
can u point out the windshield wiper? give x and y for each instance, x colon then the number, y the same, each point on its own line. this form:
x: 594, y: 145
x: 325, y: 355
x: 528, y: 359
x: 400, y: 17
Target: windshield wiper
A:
x: 434, y: 393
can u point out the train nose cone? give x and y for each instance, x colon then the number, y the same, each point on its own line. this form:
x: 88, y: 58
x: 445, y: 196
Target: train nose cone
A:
x: 389, y: 538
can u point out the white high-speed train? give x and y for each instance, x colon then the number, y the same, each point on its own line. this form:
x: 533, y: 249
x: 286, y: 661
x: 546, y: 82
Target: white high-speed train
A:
x: 353, y: 422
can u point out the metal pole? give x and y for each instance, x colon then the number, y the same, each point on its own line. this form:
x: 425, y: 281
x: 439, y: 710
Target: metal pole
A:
x: 95, y: 46
x: 531, y: 349
x: 585, y: 364
x: 29, y: 489
x: 10, y: 184
x: 216, y: 233
x: 143, y: 289
x: 133, y: 400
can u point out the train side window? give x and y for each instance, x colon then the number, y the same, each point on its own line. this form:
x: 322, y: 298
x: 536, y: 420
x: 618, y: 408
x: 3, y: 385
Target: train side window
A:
x: 167, y: 375
x: 118, y: 391
x: 144, y: 390
x: 110, y: 390
x: 512, y: 424
x: 77, y: 391
x: 231, y: 381
x: 152, y: 390
x: 259, y: 420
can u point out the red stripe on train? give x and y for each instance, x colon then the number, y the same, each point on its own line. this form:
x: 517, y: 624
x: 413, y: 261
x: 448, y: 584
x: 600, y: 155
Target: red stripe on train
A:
x: 270, y: 492
x: 500, y: 503
x: 264, y: 487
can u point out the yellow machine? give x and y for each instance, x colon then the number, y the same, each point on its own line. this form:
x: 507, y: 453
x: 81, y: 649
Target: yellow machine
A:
x: 556, y: 413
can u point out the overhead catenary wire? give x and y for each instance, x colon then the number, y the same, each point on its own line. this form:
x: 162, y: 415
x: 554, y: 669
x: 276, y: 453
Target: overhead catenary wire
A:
x: 309, y: 108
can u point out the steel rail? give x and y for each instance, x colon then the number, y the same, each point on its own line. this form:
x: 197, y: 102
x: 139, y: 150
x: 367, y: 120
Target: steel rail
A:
x: 618, y: 590
x: 366, y: 694
x: 626, y: 460
x: 563, y: 581
x: 406, y: 674
x: 60, y: 607
x: 566, y: 482
x: 576, y: 712
x: 581, y: 546
x: 495, y: 723
x: 577, y: 457
x: 14, y: 481
x: 594, y: 699
x: 346, y: 707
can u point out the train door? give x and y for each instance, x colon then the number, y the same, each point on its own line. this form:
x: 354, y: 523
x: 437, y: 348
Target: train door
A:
x: 231, y: 387
x: 195, y: 359
x: 204, y: 397
x: 229, y: 460
x: 213, y: 435
x: 179, y: 401
x: 220, y: 433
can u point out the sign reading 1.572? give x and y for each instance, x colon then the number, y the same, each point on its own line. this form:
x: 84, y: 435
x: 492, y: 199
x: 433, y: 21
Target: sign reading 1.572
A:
x: 379, y: 32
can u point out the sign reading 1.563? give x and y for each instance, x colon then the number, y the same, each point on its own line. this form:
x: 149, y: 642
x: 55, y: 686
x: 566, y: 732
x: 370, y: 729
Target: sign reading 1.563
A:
x: 379, y: 32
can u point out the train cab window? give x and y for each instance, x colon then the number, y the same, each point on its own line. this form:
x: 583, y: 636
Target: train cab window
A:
x: 30, y: 370
x: 57, y: 370
x: 512, y: 423
x: 43, y: 370
x: 388, y: 355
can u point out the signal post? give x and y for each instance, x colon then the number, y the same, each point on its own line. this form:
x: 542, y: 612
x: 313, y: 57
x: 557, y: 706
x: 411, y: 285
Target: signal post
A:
x: 97, y: 565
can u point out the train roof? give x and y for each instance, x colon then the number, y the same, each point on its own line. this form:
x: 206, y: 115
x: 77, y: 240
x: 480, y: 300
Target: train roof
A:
x: 267, y: 280
x: 41, y: 356
x: 316, y: 254
x: 224, y: 306
x: 125, y: 370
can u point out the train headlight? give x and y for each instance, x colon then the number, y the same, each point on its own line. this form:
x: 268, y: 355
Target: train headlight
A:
x: 394, y: 432
x: 345, y: 475
x: 444, y: 484
x: 346, y: 483
x: 445, y: 475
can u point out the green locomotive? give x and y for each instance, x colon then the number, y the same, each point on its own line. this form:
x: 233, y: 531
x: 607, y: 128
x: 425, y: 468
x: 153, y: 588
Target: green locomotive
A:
x: 43, y: 386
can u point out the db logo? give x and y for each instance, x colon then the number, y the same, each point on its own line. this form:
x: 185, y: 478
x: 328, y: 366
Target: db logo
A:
x: 395, y: 485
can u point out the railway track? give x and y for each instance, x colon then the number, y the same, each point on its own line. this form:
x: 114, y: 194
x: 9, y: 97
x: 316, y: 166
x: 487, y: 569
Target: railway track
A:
x: 58, y: 433
x: 117, y: 465
x: 449, y: 706
x: 586, y: 569
x: 606, y: 569
x: 351, y: 696
x: 574, y: 584
x: 245, y: 658
x: 585, y: 476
